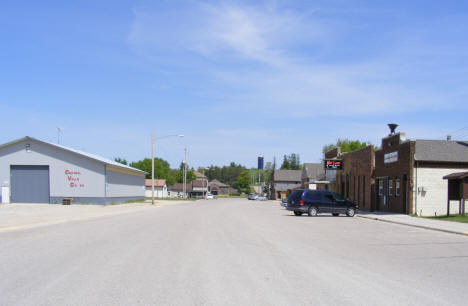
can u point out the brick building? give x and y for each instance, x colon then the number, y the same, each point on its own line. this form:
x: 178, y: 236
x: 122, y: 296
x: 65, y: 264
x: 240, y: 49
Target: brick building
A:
x: 393, y: 174
x: 409, y: 174
x: 355, y: 181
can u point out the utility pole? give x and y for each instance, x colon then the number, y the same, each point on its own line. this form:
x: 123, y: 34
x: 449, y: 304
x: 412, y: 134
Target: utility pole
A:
x: 204, y: 179
x: 152, y: 168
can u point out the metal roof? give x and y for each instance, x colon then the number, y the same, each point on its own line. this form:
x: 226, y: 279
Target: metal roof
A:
x: 157, y: 183
x: 287, y: 175
x: 215, y: 182
x: 285, y: 186
x: 441, y: 151
x: 88, y: 155
x: 313, y: 171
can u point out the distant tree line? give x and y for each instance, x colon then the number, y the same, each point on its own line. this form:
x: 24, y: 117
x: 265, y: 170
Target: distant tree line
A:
x: 346, y: 145
x: 162, y: 170
x: 226, y: 174
x: 234, y: 175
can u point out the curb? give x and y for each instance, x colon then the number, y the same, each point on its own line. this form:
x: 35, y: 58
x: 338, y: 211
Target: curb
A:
x: 415, y: 225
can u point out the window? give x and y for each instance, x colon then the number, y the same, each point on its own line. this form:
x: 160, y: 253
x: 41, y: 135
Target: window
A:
x: 312, y: 196
x: 294, y: 196
x: 390, y: 187
x: 397, y: 187
x: 326, y: 197
x: 380, y: 187
x: 337, y: 197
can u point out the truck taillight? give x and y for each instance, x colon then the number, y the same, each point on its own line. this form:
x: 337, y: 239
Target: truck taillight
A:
x: 301, y: 202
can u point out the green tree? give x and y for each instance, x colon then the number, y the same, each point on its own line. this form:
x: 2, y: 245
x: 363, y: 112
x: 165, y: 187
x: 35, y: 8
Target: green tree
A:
x: 226, y: 174
x: 180, y: 176
x: 161, y: 169
x: 291, y: 162
x: 242, y: 183
x: 285, y: 165
x: 346, y: 145
x: 123, y: 161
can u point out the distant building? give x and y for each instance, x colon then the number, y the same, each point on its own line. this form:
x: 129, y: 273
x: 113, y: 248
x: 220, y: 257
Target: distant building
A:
x: 284, y: 181
x: 160, y: 189
x: 177, y: 190
x: 312, y: 174
x: 196, y: 189
x: 218, y: 188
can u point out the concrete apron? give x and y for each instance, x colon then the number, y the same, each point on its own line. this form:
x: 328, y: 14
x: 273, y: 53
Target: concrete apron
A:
x: 436, y: 225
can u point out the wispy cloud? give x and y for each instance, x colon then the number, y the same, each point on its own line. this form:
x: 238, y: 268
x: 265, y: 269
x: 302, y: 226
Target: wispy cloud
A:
x: 270, y: 57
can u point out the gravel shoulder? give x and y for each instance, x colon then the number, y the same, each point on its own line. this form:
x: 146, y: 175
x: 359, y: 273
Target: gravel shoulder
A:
x: 22, y: 216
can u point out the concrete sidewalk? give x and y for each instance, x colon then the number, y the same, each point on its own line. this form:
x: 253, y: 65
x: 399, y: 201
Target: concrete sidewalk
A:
x: 431, y: 224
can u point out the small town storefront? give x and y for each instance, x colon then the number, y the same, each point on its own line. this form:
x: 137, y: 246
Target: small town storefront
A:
x: 393, y: 171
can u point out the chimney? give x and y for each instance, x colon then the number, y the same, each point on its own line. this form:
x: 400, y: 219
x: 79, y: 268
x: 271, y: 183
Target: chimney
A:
x: 449, y: 137
x: 392, y: 127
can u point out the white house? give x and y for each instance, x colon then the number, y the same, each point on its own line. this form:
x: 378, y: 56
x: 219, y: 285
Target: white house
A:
x: 160, y: 189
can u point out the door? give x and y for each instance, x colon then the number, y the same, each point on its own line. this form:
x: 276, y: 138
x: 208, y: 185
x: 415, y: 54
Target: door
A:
x: 339, y: 205
x: 29, y: 184
x: 382, y: 194
x: 404, y: 194
x: 326, y: 203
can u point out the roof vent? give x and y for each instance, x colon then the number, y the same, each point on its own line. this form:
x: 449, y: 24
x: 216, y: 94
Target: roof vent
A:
x: 392, y: 127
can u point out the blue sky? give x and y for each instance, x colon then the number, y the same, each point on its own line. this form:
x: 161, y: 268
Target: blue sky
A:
x: 238, y: 78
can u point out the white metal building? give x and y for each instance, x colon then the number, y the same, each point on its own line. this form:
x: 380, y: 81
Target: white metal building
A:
x: 35, y: 171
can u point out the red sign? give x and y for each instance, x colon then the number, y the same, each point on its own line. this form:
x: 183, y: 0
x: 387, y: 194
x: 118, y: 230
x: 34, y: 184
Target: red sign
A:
x: 333, y: 164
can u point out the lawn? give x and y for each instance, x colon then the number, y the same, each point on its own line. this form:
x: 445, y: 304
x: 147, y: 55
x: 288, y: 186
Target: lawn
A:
x: 454, y: 218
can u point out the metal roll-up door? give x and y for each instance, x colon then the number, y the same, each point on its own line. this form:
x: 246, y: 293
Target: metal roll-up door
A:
x: 29, y: 184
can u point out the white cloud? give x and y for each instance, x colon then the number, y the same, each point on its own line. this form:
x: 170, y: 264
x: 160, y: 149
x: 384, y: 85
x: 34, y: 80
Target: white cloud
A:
x: 255, y: 48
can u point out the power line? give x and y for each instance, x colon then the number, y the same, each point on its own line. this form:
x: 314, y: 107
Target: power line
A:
x: 455, y: 133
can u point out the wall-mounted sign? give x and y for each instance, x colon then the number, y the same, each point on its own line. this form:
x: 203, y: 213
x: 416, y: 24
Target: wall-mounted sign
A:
x: 333, y: 164
x: 73, y: 178
x: 391, y: 157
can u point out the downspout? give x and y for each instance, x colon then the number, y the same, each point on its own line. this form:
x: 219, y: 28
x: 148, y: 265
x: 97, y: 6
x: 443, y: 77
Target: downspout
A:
x: 416, y: 190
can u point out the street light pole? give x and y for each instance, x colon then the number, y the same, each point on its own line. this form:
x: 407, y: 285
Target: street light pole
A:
x: 152, y: 162
x: 152, y: 168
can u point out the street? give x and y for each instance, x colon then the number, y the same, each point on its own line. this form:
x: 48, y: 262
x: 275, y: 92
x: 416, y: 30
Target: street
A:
x: 231, y: 252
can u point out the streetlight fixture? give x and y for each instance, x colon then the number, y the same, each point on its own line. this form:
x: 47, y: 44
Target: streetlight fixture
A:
x: 152, y: 161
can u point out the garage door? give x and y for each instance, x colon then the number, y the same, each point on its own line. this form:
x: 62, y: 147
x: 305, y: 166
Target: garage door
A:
x: 29, y: 184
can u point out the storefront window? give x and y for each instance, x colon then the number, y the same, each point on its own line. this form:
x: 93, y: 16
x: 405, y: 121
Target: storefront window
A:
x: 390, y: 187
x: 380, y: 187
x: 397, y: 187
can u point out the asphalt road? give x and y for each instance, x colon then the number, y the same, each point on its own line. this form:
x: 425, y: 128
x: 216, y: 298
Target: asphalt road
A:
x: 231, y: 252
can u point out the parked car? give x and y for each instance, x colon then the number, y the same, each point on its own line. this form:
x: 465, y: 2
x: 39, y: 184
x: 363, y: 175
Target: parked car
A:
x: 209, y: 196
x: 314, y: 202
x: 252, y: 196
x: 261, y: 197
